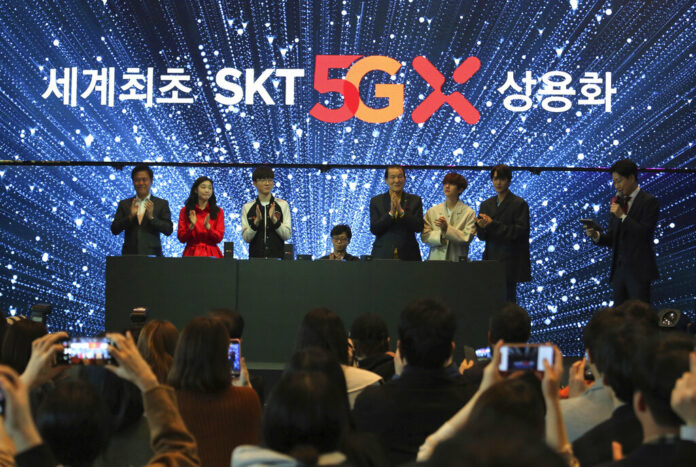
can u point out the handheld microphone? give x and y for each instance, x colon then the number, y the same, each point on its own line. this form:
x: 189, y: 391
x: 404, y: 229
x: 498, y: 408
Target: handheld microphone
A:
x: 619, y: 199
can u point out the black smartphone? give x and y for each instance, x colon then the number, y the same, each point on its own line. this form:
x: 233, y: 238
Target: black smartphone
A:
x: 525, y: 357
x: 234, y: 355
x: 86, y: 351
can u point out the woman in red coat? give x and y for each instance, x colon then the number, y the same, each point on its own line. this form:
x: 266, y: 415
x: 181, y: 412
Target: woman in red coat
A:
x: 201, y: 221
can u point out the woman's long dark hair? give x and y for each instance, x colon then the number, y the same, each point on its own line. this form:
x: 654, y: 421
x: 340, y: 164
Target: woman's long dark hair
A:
x: 200, y: 360
x: 192, y: 200
x: 323, y: 328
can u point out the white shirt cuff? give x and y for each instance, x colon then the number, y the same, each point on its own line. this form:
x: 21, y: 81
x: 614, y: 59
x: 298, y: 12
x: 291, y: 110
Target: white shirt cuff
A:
x: 687, y: 433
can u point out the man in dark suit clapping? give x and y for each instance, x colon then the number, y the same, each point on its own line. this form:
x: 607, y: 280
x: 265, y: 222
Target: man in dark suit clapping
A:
x: 503, y: 223
x: 632, y: 222
x: 143, y: 217
x: 395, y: 219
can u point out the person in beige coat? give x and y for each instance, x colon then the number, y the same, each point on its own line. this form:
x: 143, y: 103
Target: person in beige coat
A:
x: 450, y: 226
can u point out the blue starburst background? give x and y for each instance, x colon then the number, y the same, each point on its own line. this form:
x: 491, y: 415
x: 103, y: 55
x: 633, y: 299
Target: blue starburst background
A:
x: 54, y: 222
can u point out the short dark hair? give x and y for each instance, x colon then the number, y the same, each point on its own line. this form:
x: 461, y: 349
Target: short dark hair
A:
x: 74, y: 422
x: 638, y: 310
x: 426, y: 332
x: 305, y: 416
x: 616, y: 349
x: 200, y: 361
x: 370, y: 335
x: 342, y: 228
x: 658, y: 364
x: 142, y: 168
x: 323, y: 328
x: 453, y: 178
x: 506, y: 444
x: 502, y: 171
x: 600, y: 322
x: 123, y: 398
x: 515, y: 400
x: 262, y: 172
x: 511, y: 324
x: 233, y: 321
x: 394, y: 166
x: 625, y: 168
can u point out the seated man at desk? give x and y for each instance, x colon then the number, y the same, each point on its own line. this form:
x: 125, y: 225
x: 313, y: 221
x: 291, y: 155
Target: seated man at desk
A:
x: 340, y: 237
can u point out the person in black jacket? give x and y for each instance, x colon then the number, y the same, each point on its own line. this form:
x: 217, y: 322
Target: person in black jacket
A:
x: 143, y: 217
x: 632, y: 222
x: 395, y: 219
x: 404, y: 411
x: 503, y: 223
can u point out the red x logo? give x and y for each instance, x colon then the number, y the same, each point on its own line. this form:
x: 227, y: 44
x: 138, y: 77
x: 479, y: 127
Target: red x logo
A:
x: 436, y: 99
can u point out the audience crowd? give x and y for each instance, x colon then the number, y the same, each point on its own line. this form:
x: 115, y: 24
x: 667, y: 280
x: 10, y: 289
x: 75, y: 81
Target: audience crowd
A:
x: 352, y: 398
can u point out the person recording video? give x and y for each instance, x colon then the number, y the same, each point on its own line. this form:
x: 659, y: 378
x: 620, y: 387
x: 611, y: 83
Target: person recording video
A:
x: 634, y: 214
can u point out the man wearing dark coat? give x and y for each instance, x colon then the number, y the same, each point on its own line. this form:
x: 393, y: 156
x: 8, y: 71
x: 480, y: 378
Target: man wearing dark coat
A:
x: 503, y: 223
x: 631, y: 234
x: 143, y: 217
x: 395, y: 219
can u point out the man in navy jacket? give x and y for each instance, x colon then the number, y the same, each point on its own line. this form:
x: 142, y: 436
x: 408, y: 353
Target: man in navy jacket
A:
x: 630, y: 235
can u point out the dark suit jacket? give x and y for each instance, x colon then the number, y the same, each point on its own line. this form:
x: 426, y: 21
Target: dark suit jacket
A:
x: 632, y: 239
x: 663, y: 452
x: 594, y: 447
x: 399, y: 233
x: 143, y: 239
x: 404, y: 411
x: 507, y: 237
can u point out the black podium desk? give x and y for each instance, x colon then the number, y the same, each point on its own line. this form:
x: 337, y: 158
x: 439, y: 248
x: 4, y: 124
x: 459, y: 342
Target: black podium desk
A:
x: 273, y: 295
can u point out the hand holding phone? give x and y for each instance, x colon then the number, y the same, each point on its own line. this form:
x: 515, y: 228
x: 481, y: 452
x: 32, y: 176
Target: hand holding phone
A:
x: 86, y: 351
x: 234, y: 356
x: 525, y: 357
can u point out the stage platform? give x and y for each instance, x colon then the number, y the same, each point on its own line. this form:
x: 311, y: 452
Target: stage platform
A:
x: 274, y: 295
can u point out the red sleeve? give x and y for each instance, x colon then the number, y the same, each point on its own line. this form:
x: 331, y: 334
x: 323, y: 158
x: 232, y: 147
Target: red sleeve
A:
x: 217, y: 227
x: 183, y: 232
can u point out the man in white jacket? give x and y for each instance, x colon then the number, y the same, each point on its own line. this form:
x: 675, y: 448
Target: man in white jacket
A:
x: 450, y: 226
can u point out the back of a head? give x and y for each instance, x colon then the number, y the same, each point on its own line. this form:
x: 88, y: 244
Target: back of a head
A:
x: 323, y: 328
x: 316, y: 359
x: 123, y: 398
x: 616, y: 348
x: 505, y: 445
x: 511, y: 324
x: 200, y: 361
x: 157, y: 344
x: 305, y: 416
x: 74, y: 422
x: 514, y: 401
x: 426, y: 332
x: 370, y: 335
x: 233, y: 321
x: 640, y: 311
x: 16, y: 346
x: 659, y: 363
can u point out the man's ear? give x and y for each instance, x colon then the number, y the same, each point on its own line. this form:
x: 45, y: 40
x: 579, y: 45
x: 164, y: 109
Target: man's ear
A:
x: 639, y: 405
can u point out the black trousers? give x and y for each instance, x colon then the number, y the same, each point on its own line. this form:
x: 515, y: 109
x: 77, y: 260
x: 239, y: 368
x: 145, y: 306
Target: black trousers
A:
x: 627, y: 285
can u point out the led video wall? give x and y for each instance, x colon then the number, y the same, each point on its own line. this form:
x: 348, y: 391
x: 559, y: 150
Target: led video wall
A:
x: 532, y: 84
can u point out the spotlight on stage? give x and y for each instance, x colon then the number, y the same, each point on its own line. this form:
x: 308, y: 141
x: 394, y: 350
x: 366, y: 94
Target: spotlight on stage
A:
x: 40, y: 311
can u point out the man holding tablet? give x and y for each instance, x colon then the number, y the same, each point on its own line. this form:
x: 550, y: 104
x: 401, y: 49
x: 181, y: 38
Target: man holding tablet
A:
x: 630, y: 235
